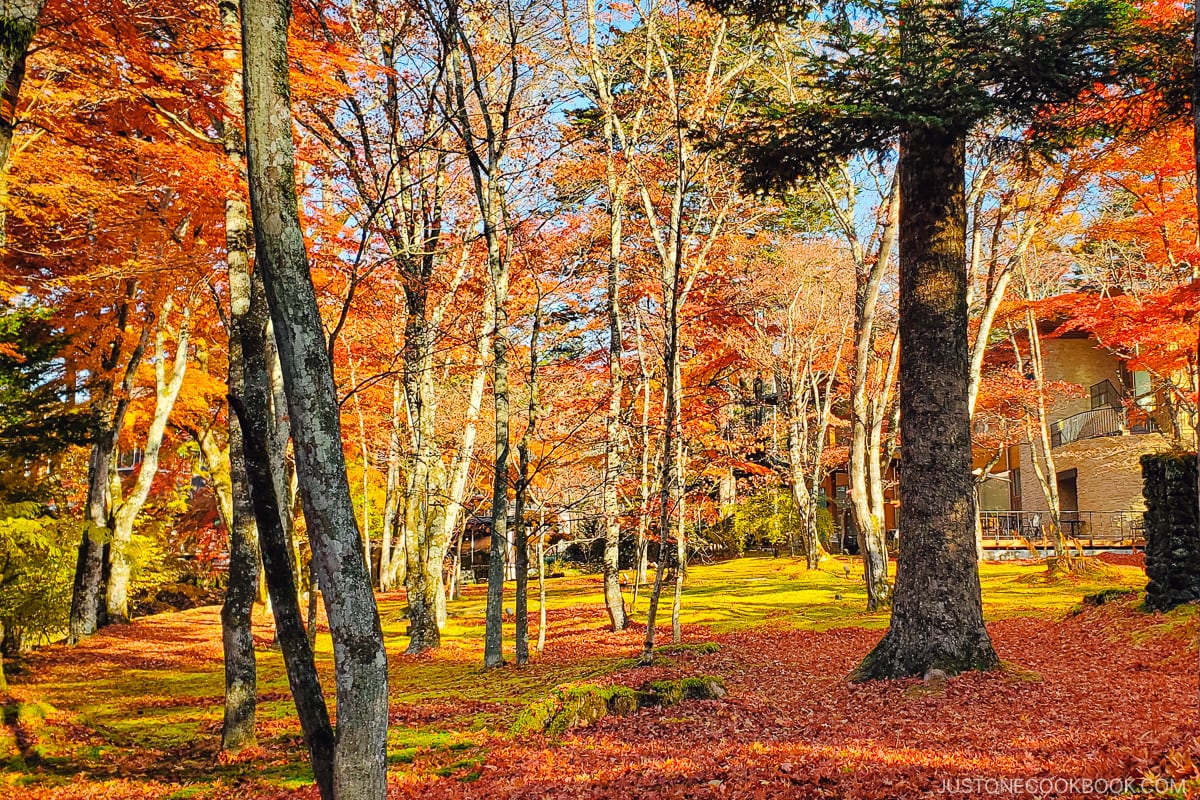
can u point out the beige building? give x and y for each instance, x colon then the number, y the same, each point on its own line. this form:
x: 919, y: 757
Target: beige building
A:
x: 1099, y: 433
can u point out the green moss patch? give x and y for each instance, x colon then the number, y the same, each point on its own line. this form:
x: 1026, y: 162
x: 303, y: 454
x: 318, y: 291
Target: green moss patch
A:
x: 578, y: 706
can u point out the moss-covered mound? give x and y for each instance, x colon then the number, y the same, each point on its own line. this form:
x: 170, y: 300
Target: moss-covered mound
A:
x: 577, y: 706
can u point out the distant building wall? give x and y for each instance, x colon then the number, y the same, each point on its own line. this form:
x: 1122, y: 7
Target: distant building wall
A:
x: 1080, y: 362
x: 1108, y: 472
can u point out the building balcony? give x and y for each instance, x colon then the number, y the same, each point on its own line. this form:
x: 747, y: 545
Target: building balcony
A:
x: 1101, y: 422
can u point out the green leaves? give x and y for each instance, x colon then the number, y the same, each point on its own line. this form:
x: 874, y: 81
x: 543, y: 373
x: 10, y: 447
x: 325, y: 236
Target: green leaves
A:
x: 873, y: 70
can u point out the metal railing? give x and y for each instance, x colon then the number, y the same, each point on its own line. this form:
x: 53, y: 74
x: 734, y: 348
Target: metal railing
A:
x: 1100, y: 422
x: 1091, y: 529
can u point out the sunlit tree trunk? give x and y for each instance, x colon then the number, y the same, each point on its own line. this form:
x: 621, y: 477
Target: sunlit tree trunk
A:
x: 617, y: 186
x: 1038, y: 437
x: 392, y: 496
x: 460, y: 468
x: 484, y: 118
x: 670, y: 496
x: 166, y: 391
x: 365, y: 456
x: 866, y: 414
x: 498, y: 268
x: 521, y: 531
x: 644, y: 474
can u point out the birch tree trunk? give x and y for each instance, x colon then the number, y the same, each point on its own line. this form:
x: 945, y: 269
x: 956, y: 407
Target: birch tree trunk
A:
x: 392, y: 497
x: 166, y: 391
x: 1041, y: 446
x: 865, y: 415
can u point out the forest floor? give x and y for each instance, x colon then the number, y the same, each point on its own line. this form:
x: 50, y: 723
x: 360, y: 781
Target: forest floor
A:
x: 1087, y: 693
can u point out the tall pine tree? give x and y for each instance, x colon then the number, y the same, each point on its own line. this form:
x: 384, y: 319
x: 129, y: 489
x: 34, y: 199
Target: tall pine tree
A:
x: 924, y: 74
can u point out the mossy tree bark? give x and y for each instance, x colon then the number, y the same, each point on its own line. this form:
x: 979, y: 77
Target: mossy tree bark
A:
x: 360, y: 752
x: 237, y: 611
x: 937, y: 614
x: 18, y: 24
x: 253, y: 409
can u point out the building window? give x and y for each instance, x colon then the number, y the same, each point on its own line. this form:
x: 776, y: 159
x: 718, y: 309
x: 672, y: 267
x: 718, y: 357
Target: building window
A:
x: 1143, y: 390
x: 1105, y: 395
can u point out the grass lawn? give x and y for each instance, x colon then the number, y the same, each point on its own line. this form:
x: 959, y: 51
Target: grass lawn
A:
x: 136, y: 710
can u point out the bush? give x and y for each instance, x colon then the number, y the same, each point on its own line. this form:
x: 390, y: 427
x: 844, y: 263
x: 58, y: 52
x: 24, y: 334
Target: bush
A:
x: 38, y: 553
x: 826, y: 529
x: 1172, y: 532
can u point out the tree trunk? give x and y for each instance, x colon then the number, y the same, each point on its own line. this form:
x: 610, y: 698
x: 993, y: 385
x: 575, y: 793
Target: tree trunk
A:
x: 392, y: 496
x: 422, y: 522
x: 237, y: 611
x: 1043, y: 464
x: 166, y: 392
x: 541, y: 555
x: 872, y: 544
x: 680, y: 538
x: 937, y: 614
x: 643, y: 471
x: 254, y: 416
x: 669, y: 477
x: 18, y: 24
x: 461, y: 466
x: 614, y: 603
x: 88, y: 589
x: 494, y: 635
x: 521, y: 532
x: 87, y: 596
x: 365, y: 455
x: 360, y: 753
x: 237, y: 635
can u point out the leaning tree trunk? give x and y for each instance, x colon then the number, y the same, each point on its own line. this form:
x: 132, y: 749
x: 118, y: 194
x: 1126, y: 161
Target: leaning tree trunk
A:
x: 360, y: 753
x: 937, y: 614
x: 253, y: 409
